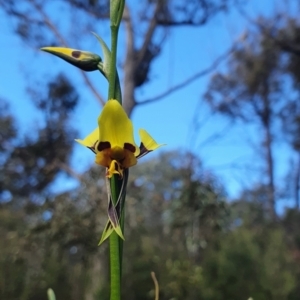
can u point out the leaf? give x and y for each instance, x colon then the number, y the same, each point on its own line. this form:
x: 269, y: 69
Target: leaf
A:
x: 51, y: 295
x: 108, y: 230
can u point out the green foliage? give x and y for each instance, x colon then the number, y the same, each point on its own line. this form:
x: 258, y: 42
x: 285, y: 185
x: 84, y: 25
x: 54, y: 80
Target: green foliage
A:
x: 178, y: 225
x: 32, y: 164
x: 249, y: 263
x: 13, y: 264
x: 170, y: 237
x: 232, y: 270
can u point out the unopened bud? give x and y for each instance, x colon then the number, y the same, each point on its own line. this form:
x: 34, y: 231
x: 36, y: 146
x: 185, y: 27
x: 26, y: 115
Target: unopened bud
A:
x: 84, y: 60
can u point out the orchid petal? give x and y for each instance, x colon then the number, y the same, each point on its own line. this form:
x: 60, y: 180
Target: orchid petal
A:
x: 116, y: 128
x: 90, y: 141
x: 148, y: 144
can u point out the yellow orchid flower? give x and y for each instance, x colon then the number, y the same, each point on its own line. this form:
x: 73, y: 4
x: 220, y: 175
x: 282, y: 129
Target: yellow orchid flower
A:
x: 113, y: 140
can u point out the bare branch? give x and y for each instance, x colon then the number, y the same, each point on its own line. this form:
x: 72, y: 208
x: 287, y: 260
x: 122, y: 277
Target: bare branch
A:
x: 284, y: 44
x: 54, y: 30
x: 65, y: 167
x: 188, y: 80
x: 149, y: 34
x: 129, y: 31
x: 191, y: 23
x: 217, y: 135
x: 155, y: 285
x: 95, y: 11
x: 297, y: 183
x: 92, y: 88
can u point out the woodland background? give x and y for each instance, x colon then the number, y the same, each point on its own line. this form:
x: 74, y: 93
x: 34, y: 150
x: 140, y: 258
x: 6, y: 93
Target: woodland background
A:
x: 181, y: 221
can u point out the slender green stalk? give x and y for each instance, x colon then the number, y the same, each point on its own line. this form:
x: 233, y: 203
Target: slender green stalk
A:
x: 115, y: 242
x: 116, y: 13
x: 122, y: 217
x: 113, y: 63
x: 114, y: 249
x: 115, y: 278
x: 121, y: 242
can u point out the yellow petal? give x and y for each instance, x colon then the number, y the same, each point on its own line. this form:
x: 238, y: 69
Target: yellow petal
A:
x: 129, y: 160
x: 116, y: 128
x: 115, y: 168
x: 90, y: 140
x: 147, y: 141
x: 103, y: 158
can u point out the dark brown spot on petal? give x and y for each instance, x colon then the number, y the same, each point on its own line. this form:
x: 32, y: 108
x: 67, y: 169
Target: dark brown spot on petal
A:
x: 143, y: 151
x: 143, y: 148
x: 76, y: 54
x: 129, y: 147
x: 103, y: 145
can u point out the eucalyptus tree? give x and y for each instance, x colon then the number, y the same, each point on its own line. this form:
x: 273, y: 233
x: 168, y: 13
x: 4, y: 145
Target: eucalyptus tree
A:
x: 260, y: 87
x: 147, y: 25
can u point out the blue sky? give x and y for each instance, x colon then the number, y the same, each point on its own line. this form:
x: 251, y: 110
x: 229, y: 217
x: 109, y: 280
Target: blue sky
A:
x: 170, y: 121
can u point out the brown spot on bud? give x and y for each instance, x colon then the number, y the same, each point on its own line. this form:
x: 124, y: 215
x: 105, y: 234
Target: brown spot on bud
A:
x: 76, y: 54
x: 129, y: 147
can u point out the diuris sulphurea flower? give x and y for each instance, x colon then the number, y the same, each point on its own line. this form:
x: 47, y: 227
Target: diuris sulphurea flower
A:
x: 113, y: 142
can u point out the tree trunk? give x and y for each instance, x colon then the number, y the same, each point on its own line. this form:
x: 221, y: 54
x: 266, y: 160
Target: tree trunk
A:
x: 129, y: 65
x: 270, y: 172
x: 297, y: 184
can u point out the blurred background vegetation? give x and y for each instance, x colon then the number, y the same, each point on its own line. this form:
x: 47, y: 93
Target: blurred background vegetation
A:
x: 180, y: 221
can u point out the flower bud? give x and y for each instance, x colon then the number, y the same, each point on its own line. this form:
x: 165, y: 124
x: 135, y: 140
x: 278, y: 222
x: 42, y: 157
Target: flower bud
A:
x: 84, y: 60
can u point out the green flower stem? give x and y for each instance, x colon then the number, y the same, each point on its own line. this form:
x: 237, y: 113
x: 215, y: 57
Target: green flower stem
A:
x: 115, y: 242
x: 122, y: 217
x: 115, y: 278
x: 114, y: 248
x: 113, y: 63
x: 121, y: 241
x: 116, y: 13
x: 118, y: 93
